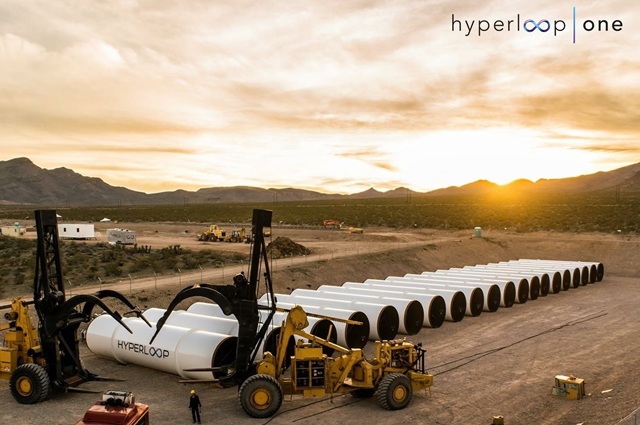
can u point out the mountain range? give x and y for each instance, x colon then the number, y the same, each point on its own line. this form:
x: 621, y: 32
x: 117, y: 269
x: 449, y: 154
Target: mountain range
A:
x: 23, y: 182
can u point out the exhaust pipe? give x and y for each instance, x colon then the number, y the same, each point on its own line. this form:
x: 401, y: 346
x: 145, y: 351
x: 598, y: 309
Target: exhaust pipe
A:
x: 174, y: 349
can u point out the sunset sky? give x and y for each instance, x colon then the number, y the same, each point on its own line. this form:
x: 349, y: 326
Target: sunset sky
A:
x: 332, y: 95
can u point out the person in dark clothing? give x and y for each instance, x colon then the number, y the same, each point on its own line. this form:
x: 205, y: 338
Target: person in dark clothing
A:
x: 195, y: 405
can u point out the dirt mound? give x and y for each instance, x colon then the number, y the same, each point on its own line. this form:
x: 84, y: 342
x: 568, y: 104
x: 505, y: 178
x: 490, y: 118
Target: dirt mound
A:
x: 285, y: 247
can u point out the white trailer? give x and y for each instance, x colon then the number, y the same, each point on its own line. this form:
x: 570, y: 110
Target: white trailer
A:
x: 121, y: 236
x: 76, y: 231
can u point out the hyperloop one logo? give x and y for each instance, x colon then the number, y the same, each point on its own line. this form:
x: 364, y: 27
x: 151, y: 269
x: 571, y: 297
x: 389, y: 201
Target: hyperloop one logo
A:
x: 536, y: 26
x: 156, y: 352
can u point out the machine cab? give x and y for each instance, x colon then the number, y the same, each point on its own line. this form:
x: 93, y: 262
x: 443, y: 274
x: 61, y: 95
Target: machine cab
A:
x: 568, y: 387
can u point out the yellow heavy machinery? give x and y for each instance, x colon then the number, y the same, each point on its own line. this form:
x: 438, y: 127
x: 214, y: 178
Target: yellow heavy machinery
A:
x: 45, y: 356
x: 213, y: 234
x: 568, y: 387
x: 237, y: 236
x: 397, y: 370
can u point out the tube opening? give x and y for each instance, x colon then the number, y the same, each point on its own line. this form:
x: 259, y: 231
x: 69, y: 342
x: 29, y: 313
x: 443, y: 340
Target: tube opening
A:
x: 493, y: 298
x: 325, y: 329
x: 477, y: 302
x: 271, y: 342
x: 566, y: 280
x: 437, y: 311
x: 593, y: 272
x: 224, y: 355
x: 458, y: 306
x: 534, y: 288
x: 413, y: 317
x: 523, y: 291
x: 600, y: 272
x: 576, y: 278
x: 556, y: 282
x: 509, y: 295
x: 584, y: 275
x: 388, y: 322
x: 358, y: 335
x: 545, y: 282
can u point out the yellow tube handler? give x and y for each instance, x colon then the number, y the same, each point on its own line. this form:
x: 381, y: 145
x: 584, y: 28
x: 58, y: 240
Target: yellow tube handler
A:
x: 397, y: 370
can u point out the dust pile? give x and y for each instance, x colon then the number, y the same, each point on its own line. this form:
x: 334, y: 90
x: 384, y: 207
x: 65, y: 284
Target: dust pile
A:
x: 285, y: 247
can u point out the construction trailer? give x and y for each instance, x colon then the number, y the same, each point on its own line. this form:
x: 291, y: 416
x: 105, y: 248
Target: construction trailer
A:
x: 76, y: 231
x: 121, y: 237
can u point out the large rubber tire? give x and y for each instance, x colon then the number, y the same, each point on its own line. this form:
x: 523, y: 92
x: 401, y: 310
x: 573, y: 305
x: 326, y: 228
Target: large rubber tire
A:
x: 260, y: 396
x: 29, y: 384
x: 394, y: 391
x: 363, y: 393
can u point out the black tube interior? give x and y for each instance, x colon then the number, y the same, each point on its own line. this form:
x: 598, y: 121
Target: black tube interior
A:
x: 458, y: 306
x: 437, y: 311
x: 534, y: 287
x: 600, y: 272
x: 566, y: 280
x: 271, y: 344
x: 556, y: 282
x: 509, y: 295
x: 593, y: 272
x: 413, y: 317
x: 523, y: 291
x: 388, y: 322
x: 224, y: 355
x: 477, y: 302
x: 493, y: 298
x: 321, y: 329
x: 584, y: 275
x: 358, y: 335
x: 544, y: 285
x: 576, y: 278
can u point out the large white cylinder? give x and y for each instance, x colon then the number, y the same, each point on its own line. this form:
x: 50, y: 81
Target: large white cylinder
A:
x: 532, y: 285
x: 492, y: 294
x: 554, y: 277
x: 173, y: 350
x: 543, y: 276
x: 474, y: 296
x: 433, y: 305
x: 184, y: 319
x: 383, y: 319
x: 455, y: 301
x: 596, y: 269
x: 352, y: 336
x: 566, y: 275
x: 411, y: 311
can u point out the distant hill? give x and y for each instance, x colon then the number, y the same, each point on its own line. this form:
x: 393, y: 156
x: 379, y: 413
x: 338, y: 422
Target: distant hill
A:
x: 23, y: 182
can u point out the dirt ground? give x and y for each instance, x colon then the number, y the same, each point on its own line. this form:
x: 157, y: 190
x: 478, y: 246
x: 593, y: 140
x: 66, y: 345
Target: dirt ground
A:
x: 500, y: 363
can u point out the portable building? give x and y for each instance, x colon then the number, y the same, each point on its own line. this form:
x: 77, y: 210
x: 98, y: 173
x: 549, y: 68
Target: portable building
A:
x: 121, y: 236
x: 76, y: 231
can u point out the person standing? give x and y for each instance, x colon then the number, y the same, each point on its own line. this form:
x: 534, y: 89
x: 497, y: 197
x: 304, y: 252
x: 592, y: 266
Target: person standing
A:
x: 195, y: 405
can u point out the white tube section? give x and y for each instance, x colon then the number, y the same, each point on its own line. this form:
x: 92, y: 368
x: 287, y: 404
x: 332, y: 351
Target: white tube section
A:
x: 173, y: 350
x: 384, y: 319
x: 455, y: 301
x: 596, y: 269
x: 543, y: 276
x: 496, y: 292
x: 554, y: 277
x: 491, y: 293
x: 411, y: 311
x: 532, y: 286
x: 474, y: 296
x: 434, y: 305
